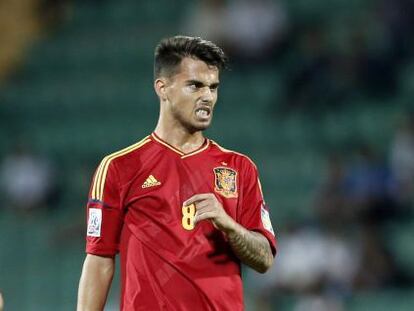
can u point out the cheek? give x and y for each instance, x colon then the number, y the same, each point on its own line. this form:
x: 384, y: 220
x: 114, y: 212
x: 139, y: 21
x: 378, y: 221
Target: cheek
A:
x: 215, y: 99
x: 183, y: 104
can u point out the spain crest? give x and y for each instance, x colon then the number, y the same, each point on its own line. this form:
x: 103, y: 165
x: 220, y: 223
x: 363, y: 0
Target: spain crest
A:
x: 226, y: 182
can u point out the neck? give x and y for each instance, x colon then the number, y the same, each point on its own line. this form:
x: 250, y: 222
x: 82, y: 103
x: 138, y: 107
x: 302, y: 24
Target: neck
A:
x: 178, y: 136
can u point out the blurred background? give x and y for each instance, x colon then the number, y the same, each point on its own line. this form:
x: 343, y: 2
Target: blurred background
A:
x: 320, y: 95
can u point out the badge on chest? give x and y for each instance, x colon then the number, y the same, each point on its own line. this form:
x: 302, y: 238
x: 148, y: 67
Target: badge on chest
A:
x: 225, y: 182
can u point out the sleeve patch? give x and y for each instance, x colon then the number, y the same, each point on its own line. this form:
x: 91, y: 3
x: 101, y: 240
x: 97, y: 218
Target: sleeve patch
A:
x: 267, y: 224
x: 94, y: 222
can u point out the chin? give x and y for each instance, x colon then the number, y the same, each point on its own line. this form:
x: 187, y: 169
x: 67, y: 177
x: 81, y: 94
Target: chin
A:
x: 200, y: 127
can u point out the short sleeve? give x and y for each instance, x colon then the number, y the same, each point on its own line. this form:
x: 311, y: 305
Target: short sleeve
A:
x: 254, y: 214
x: 104, y: 211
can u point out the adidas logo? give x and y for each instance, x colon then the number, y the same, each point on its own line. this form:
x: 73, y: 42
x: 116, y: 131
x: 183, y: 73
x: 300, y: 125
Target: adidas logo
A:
x: 151, y: 182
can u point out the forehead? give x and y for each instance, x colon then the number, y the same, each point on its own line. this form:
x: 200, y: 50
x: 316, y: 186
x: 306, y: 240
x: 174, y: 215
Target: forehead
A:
x: 195, y: 69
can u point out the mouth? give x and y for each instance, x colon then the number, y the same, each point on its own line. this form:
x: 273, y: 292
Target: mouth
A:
x: 203, y: 113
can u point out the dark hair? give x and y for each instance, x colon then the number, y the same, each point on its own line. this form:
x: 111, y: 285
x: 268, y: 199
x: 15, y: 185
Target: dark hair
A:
x: 170, y: 52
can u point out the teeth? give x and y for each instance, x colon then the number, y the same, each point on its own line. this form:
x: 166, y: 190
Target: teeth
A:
x: 202, y: 113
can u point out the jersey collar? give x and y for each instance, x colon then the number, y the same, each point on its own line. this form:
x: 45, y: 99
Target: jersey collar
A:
x: 183, y: 155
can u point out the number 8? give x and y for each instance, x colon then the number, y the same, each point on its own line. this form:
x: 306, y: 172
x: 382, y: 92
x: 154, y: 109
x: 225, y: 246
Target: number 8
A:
x: 188, y: 217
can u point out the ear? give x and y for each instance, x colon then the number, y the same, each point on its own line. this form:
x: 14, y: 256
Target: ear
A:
x: 160, y: 88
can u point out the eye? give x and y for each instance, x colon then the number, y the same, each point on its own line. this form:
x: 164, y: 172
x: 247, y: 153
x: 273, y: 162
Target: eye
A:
x: 193, y: 86
x: 214, y: 88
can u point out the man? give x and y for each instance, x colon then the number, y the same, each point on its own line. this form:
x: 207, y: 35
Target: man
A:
x: 182, y: 211
x: 1, y: 302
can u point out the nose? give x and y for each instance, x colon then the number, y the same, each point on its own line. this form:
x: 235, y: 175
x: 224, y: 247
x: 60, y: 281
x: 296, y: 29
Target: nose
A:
x: 207, y: 95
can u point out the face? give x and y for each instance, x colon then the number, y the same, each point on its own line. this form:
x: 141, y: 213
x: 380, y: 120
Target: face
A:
x: 190, y: 95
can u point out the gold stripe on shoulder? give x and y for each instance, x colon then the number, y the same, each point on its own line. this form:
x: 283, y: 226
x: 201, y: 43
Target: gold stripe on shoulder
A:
x: 113, y: 156
x: 222, y: 148
x: 95, y: 180
x: 100, y: 176
x: 99, y: 171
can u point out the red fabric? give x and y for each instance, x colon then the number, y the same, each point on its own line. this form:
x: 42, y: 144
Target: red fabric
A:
x: 164, y: 266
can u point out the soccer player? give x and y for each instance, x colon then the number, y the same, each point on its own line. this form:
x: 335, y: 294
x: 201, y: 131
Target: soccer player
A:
x: 182, y: 211
x: 1, y: 302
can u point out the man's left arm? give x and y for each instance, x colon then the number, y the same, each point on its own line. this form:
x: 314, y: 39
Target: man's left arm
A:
x: 252, y: 248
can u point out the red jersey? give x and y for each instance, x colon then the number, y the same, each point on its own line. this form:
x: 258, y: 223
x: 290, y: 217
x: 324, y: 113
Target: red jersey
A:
x: 136, y: 208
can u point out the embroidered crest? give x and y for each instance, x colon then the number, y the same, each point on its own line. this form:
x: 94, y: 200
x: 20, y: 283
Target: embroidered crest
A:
x: 226, y: 182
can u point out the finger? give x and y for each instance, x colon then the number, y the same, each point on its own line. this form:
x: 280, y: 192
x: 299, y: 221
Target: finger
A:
x: 202, y: 205
x: 204, y: 210
x: 197, y: 198
x: 209, y: 210
x: 204, y: 216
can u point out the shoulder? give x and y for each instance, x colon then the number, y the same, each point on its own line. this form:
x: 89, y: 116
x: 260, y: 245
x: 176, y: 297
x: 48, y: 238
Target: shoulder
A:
x: 126, y: 153
x: 238, y: 157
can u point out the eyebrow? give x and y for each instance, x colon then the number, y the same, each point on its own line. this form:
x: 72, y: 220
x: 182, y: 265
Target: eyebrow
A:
x: 199, y: 83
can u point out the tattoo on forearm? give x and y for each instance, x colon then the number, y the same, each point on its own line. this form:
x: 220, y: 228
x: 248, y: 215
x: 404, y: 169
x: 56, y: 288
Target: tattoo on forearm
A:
x: 252, y: 249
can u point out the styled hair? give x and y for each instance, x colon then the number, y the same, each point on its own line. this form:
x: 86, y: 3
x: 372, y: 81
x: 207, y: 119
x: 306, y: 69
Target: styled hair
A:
x: 170, y: 52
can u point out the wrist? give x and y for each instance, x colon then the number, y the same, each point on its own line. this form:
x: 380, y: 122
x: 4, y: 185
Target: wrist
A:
x: 231, y: 227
